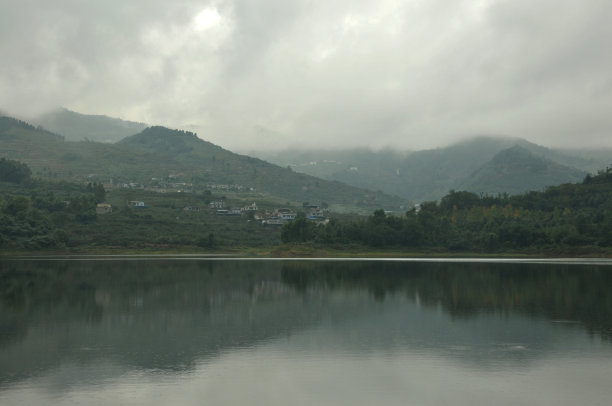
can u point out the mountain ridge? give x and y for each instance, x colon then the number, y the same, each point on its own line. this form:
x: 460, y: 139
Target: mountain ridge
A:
x: 412, y: 175
x: 162, y: 153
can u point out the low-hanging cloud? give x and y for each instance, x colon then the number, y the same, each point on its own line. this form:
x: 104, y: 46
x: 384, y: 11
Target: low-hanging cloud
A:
x: 275, y: 73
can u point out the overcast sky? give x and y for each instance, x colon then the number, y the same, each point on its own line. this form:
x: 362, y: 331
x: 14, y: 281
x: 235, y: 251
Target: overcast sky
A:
x: 251, y: 74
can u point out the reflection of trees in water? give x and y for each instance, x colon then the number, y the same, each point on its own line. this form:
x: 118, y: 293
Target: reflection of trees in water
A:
x: 28, y: 285
x: 83, y: 290
x: 150, y: 314
x: 28, y: 290
x: 171, y: 314
x: 558, y: 292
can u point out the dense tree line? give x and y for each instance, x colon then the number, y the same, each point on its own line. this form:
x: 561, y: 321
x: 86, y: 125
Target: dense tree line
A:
x: 39, y: 221
x: 570, y: 215
x: 32, y: 216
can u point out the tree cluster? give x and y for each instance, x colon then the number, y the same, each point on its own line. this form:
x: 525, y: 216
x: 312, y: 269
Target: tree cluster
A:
x: 570, y: 215
x: 38, y: 218
x: 14, y: 171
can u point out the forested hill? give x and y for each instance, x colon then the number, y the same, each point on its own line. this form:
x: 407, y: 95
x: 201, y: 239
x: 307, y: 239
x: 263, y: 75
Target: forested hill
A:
x: 177, y: 142
x: 206, y: 162
x: 160, y: 153
x: 568, y: 219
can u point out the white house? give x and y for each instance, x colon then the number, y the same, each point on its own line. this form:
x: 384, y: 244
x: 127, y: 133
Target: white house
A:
x: 103, y: 208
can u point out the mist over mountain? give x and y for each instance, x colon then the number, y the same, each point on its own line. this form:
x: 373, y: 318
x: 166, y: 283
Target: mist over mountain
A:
x: 430, y: 174
x: 78, y: 127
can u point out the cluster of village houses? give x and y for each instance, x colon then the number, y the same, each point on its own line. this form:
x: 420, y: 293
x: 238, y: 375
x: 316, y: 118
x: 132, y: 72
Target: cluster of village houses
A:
x: 162, y: 186
x: 275, y: 217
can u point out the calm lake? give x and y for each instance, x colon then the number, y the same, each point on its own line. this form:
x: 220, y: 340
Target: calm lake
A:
x: 159, y: 331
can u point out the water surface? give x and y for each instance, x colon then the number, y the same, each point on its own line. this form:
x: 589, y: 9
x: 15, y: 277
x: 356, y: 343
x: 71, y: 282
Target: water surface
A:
x: 218, y: 331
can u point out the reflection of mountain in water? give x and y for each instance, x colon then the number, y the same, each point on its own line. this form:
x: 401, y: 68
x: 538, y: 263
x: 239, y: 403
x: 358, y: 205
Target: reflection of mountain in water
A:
x: 170, y: 315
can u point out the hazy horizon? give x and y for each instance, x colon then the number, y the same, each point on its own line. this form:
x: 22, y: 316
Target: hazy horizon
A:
x: 272, y: 74
x: 269, y: 151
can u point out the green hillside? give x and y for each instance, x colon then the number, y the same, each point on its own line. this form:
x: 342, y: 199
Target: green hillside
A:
x: 159, y: 155
x: 206, y: 163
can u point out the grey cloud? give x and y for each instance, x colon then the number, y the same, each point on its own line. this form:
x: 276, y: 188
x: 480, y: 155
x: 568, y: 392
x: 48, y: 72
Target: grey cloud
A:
x: 410, y: 74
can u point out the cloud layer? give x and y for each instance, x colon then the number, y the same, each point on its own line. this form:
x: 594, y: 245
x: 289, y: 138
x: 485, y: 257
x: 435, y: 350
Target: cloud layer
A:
x: 273, y: 73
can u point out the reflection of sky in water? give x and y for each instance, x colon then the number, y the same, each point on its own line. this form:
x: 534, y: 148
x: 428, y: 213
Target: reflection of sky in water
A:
x: 268, y: 343
x: 302, y: 370
x: 482, y: 341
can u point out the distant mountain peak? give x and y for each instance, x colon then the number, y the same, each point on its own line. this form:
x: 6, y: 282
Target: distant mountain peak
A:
x: 168, y: 141
x: 519, y: 159
x: 516, y: 170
